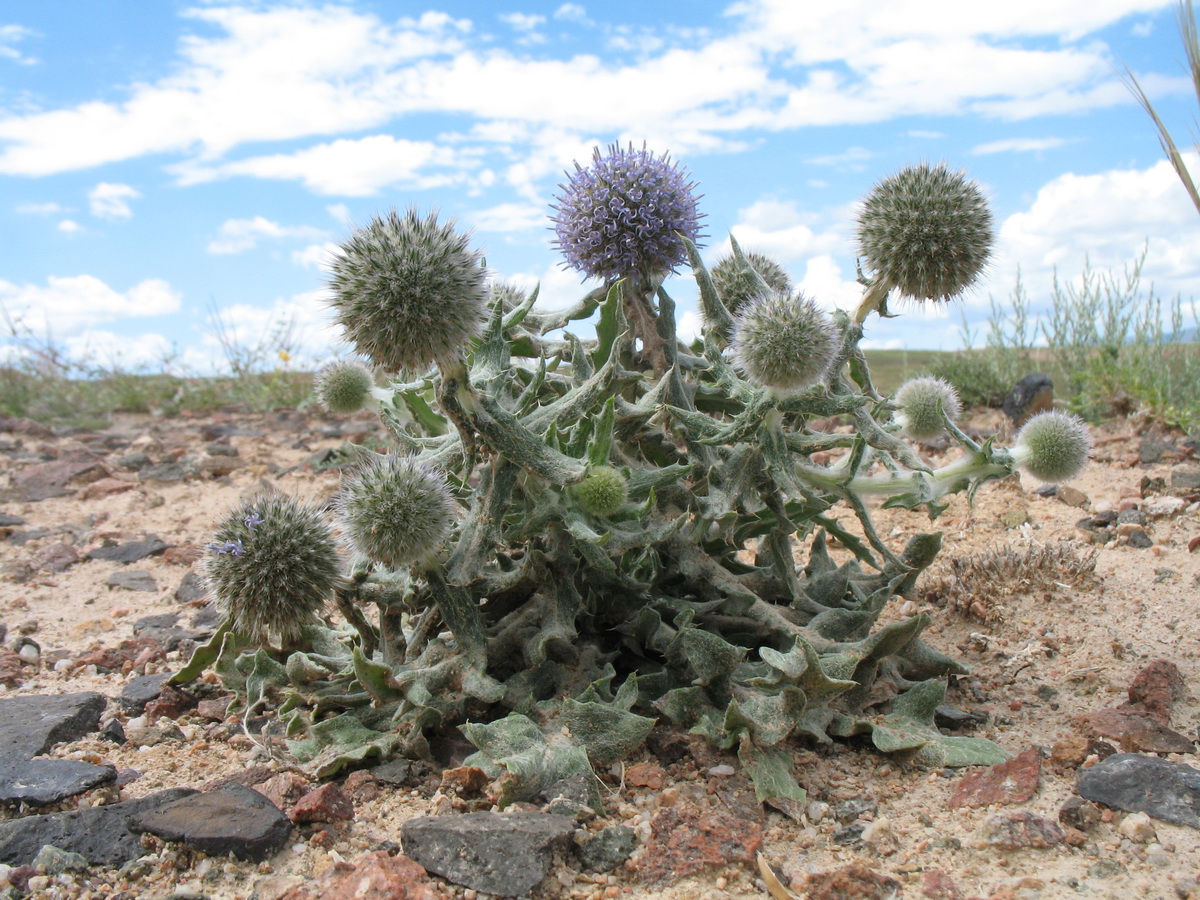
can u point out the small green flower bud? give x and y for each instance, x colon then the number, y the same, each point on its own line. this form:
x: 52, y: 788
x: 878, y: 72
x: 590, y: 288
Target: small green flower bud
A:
x: 918, y: 401
x: 396, y: 510
x: 408, y: 291
x: 784, y: 342
x: 735, y: 285
x: 344, y: 386
x: 602, y: 492
x: 926, y: 231
x: 272, y: 565
x: 1053, y: 446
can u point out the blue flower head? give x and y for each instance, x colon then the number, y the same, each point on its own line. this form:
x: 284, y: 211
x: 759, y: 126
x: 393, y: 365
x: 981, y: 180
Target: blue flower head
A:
x: 623, y: 215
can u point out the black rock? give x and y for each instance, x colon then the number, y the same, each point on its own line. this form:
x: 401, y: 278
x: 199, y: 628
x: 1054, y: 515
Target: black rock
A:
x: 42, y: 781
x: 163, y: 630
x: 192, y: 587
x: 1130, y: 781
x: 1140, y: 539
x: 32, y: 725
x: 130, y: 551
x: 113, y: 732
x: 1185, y: 479
x: 232, y: 819
x: 579, y: 789
x: 32, y: 534
x: 852, y: 809
x: 608, y: 849
x: 1029, y: 396
x: 7, y: 521
x: 506, y: 854
x: 132, y: 580
x: 140, y: 691
x: 135, y: 460
x: 396, y: 772
x: 948, y: 716
x: 100, y: 833
x: 169, y: 472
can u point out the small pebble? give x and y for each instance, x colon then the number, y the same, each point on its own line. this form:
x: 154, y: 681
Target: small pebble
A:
x: 1138, y: 828
x: 722, y: 771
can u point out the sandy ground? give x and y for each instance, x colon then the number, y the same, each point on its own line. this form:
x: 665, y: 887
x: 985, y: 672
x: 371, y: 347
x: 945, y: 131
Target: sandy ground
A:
x: 1047, y: 654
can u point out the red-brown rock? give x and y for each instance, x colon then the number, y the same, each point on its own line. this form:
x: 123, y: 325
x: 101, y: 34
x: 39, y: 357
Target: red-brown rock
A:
x: 685, y: 840
x: 171, y: 703
x: 854, y: 882
x: 1156, y: 689
x: 937, y: 885
x: 325, y: 804
x: 12, y: 670
x: 645, y: 774
x: 114, y: 657
x: 465, y: 781
x: 1020, y: 829
x: 283, y: 789
x: 1014, y: 781
x: 371, y: 875
x: 360, y: 786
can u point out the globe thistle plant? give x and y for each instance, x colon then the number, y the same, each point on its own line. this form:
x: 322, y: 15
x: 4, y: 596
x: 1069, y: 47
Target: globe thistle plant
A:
x: 784, y: 342
x: 921, y: 402
x: 925, y: 231
x: 396, y: 510
x: 624, y: 214
x: 344, y: 386
x: 736, y: 286
x: 272, y: 566
x: 1053, y: 446
x: 603, y: 492
x: 409, y: 291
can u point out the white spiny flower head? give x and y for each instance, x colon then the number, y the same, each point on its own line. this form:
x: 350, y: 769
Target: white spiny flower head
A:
x: 396, y: 510
x: 784, y: 341
x: 918, y: 400
x: 409, y: 291
x: 926, y: 231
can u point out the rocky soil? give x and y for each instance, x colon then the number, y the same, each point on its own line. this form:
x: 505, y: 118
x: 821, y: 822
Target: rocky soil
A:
x: 1075, y: 608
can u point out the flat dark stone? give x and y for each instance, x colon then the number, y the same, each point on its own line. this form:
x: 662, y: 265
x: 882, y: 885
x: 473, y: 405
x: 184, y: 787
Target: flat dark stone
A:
x: 130, y: 551
x: 100, y: 833
x: 132, y: 580
x: 497, y: 853
x: 233, y: 819
x: 42, y: 781
x: 7, y: 521
x: 32, y: 725
x: 140, y: 691
x: 1166, y: 790
x: 608, y: 849
x: 191, y: 587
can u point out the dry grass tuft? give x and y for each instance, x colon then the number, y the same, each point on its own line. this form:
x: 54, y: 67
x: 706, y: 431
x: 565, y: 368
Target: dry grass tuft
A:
x: 979, y: 584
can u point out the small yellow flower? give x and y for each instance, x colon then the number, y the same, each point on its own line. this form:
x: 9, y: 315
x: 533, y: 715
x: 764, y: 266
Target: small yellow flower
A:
x: 285, y: 356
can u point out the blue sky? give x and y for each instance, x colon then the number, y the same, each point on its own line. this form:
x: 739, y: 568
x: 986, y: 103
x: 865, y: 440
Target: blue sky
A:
x: 163, y: 164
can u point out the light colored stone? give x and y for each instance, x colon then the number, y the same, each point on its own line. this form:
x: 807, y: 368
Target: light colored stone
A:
x: 1138, y: 827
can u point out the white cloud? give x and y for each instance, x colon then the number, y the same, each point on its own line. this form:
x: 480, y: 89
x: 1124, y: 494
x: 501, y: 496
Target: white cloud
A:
x: 69, y: 226
x: 785, y: 233
x: 11, y: 35
x: 851, y: 158
x: 1018, y: 145
x: 522, y: 21
x: 510, y: 217
x: 355, y: 168
x: 316, y: 256
x: 302, y: 325
x: 341, y: 212
x: 40, y: 209
x: 285, y: 73
x: 238, y: 235
x: 149, y: 351
x: 572, y: 12
x: 68, y: 305
x: 924, y: 135
x: 111, y: 201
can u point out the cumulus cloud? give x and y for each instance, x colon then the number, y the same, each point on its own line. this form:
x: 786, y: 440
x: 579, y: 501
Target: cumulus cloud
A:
x: 510, y: 217
x: 111, y: 201
x: 10, y: 36
x: 69, y: 226
x: 298, y: 72
x: 316, y: 256
x: 239, y: 235
x: 68, y: 305
x: 348, y: 167
x: 301, y: 325
x: 1018, y: 145
x: 39, y: 209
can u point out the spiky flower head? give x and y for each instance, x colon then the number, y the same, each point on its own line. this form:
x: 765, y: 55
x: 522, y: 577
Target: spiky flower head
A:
x: 397, y: 510
x: 784, y: 341
x: 272, y: 565
x: 344, y: 385
x: 919, y: 400
x: 737, y: 286
x: 409, y: 291
x: 602, y: 492
x: 926, y: 231
x: 623, y: 215
x: 1053, y: 445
